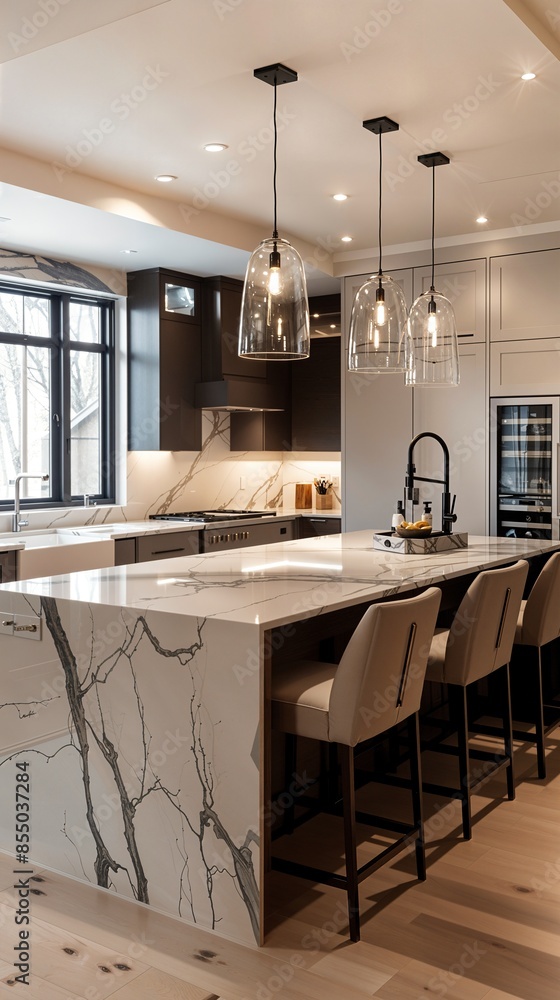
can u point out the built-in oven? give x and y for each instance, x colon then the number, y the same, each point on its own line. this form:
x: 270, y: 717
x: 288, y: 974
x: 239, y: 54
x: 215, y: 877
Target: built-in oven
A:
x: 524, y: 467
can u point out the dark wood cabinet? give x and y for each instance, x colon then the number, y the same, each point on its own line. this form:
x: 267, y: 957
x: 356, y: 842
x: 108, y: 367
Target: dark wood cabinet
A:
x: 316, y: 413
x: 164, y: 361
x: 7, y: 567
x: 310, y: 527
x: 165, y: 545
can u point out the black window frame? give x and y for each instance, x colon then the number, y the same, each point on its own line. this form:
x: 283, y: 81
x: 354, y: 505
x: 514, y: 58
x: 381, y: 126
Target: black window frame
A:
x: 61, y: 346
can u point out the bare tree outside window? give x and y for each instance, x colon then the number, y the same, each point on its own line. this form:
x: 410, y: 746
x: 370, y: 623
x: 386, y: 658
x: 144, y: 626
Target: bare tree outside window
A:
x: 32, y: 348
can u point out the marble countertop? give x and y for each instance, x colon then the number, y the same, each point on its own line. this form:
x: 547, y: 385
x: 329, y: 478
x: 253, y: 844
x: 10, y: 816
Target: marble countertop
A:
x: 10, y: 542
x: 271, y: 585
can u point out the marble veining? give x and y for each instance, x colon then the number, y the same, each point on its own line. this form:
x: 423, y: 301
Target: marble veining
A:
x: 38, y: 268
x: 149, y: 740
x: 273, y: 584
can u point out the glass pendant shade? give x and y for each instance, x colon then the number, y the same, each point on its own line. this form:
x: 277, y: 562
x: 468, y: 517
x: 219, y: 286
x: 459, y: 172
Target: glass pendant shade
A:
x: 379, y: 337
x: 274, y: 312
x: 435, y: 357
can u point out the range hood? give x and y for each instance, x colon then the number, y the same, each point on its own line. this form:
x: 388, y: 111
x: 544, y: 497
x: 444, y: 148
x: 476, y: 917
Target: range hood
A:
x: 237, y: 394
x: 229, y: 382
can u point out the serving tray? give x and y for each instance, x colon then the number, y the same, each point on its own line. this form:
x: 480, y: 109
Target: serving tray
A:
x: 436, y: 542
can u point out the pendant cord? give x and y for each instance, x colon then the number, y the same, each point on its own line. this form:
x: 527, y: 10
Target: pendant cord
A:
x: 380, y: 196
x: 275, y: 231
x: 433, y: 223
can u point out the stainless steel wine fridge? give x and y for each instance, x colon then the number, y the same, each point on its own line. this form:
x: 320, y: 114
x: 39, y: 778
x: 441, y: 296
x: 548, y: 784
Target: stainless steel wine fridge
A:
x: 524, y: 469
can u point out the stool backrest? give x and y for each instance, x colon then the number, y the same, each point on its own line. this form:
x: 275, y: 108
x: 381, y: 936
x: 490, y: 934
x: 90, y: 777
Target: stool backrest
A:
x: 483, y: 629
x: 379, y: 679
x: 541, y: 617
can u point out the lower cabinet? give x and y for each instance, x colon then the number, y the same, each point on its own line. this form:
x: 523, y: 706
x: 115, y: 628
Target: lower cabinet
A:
x: 7, y: 567
x: 310, y: 527
x: 146, y: 548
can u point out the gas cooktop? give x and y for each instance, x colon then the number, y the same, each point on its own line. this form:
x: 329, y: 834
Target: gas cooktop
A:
x: 210, y: 516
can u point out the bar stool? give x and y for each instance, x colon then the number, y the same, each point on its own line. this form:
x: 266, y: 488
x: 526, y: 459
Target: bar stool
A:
x: 377, y: 684
x: 478, y: 643
x: 537, y: 625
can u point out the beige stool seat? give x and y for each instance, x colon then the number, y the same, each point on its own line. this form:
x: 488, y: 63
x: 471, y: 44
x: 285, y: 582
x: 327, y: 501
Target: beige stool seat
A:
x: 377, y: 684
x: 538, y: 625
x: 478, y: 643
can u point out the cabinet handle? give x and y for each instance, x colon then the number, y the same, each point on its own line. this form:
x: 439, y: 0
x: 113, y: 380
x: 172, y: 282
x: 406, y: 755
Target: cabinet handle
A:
x: 318, y: 520
x: 163, y: 552
x: 6, y: 624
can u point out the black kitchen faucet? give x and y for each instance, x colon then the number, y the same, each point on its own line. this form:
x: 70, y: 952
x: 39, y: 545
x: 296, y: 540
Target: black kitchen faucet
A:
x: 412, y: 493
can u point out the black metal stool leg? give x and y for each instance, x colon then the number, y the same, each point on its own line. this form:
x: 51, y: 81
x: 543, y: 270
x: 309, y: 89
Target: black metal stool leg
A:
x: 508, y: 733
x: 458, y: 707
x: 539, y: 717
x: 346, y: 755
x: 290, y: 768
x: 417, y: 803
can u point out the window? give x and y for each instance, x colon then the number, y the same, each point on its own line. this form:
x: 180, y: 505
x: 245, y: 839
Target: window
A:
x: 56, y: 396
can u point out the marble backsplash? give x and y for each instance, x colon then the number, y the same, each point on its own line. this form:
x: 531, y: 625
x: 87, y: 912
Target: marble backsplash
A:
x: 160, y: 482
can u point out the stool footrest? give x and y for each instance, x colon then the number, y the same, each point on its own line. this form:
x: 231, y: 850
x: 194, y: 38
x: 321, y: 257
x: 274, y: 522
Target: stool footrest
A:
x: 333, y: 878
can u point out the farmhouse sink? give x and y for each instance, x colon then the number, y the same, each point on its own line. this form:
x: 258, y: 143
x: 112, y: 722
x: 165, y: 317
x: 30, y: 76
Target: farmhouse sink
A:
x: 50, y: 553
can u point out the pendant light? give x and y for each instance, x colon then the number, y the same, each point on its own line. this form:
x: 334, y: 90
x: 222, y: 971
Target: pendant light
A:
x: 274, y: 323
x: 432, y: 320
x: 379, y: 339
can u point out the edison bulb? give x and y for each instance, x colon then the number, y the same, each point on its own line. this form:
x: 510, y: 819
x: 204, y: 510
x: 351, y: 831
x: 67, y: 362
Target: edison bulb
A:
x: 380, y: 313
x: 432, y: 328
x: 274, y: 281
x: 376, y: 338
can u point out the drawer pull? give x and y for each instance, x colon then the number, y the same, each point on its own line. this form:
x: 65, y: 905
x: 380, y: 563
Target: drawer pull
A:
x: 163, y: 552
x: 25, y: 628
x: 7, y: 624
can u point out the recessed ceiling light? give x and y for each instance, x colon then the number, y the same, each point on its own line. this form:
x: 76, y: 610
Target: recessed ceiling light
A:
x: 346, y: 239
x: 333, y: 326
x: 315, y: 315
x: 215, y: 147
x: 166, y: 178
x: 340, y: 197
x: 528, y: 76
x: 128, y: 251
x: 482, y: 219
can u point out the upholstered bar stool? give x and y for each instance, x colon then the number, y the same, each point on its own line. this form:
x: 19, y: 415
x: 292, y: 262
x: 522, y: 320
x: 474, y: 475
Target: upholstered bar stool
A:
x: 377, y: 684
x: 538, y: 625
x: 478, y: 643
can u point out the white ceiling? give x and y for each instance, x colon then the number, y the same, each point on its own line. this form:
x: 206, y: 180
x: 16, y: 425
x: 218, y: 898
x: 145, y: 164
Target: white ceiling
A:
x: 447, y: 70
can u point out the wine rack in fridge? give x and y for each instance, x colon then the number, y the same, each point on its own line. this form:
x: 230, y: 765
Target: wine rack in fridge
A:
x: 524, y: 473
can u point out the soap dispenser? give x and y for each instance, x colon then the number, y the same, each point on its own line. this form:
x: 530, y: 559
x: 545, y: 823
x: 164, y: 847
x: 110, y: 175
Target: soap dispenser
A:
x: 427, y: 513
x: 398, y: 516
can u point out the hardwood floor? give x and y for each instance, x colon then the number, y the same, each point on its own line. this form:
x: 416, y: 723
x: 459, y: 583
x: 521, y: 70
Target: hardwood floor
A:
x: 484, y: 926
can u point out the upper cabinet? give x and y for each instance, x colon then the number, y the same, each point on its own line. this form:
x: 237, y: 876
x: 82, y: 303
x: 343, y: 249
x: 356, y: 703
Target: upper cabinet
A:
x: 525, y: 296
x: 311, y: 418
x: 164, y: 361
x: 464, y: 284
x: 316, y: 398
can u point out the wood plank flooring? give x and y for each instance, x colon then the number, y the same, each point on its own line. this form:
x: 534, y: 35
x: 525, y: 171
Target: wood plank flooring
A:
x: 484, y: 926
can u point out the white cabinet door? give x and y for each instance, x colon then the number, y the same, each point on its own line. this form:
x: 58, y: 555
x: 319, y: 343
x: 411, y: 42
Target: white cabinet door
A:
x: 525, y: 369
x: 464, y: 284
x: 459, y: 415
x: 525, y: 295
x: 377, y: 429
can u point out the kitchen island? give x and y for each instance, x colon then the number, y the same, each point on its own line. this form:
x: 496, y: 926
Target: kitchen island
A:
x: 136, y: 697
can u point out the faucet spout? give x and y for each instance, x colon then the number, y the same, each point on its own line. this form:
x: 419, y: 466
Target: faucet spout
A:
x: 17, y: 522
x: 448, y: 517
